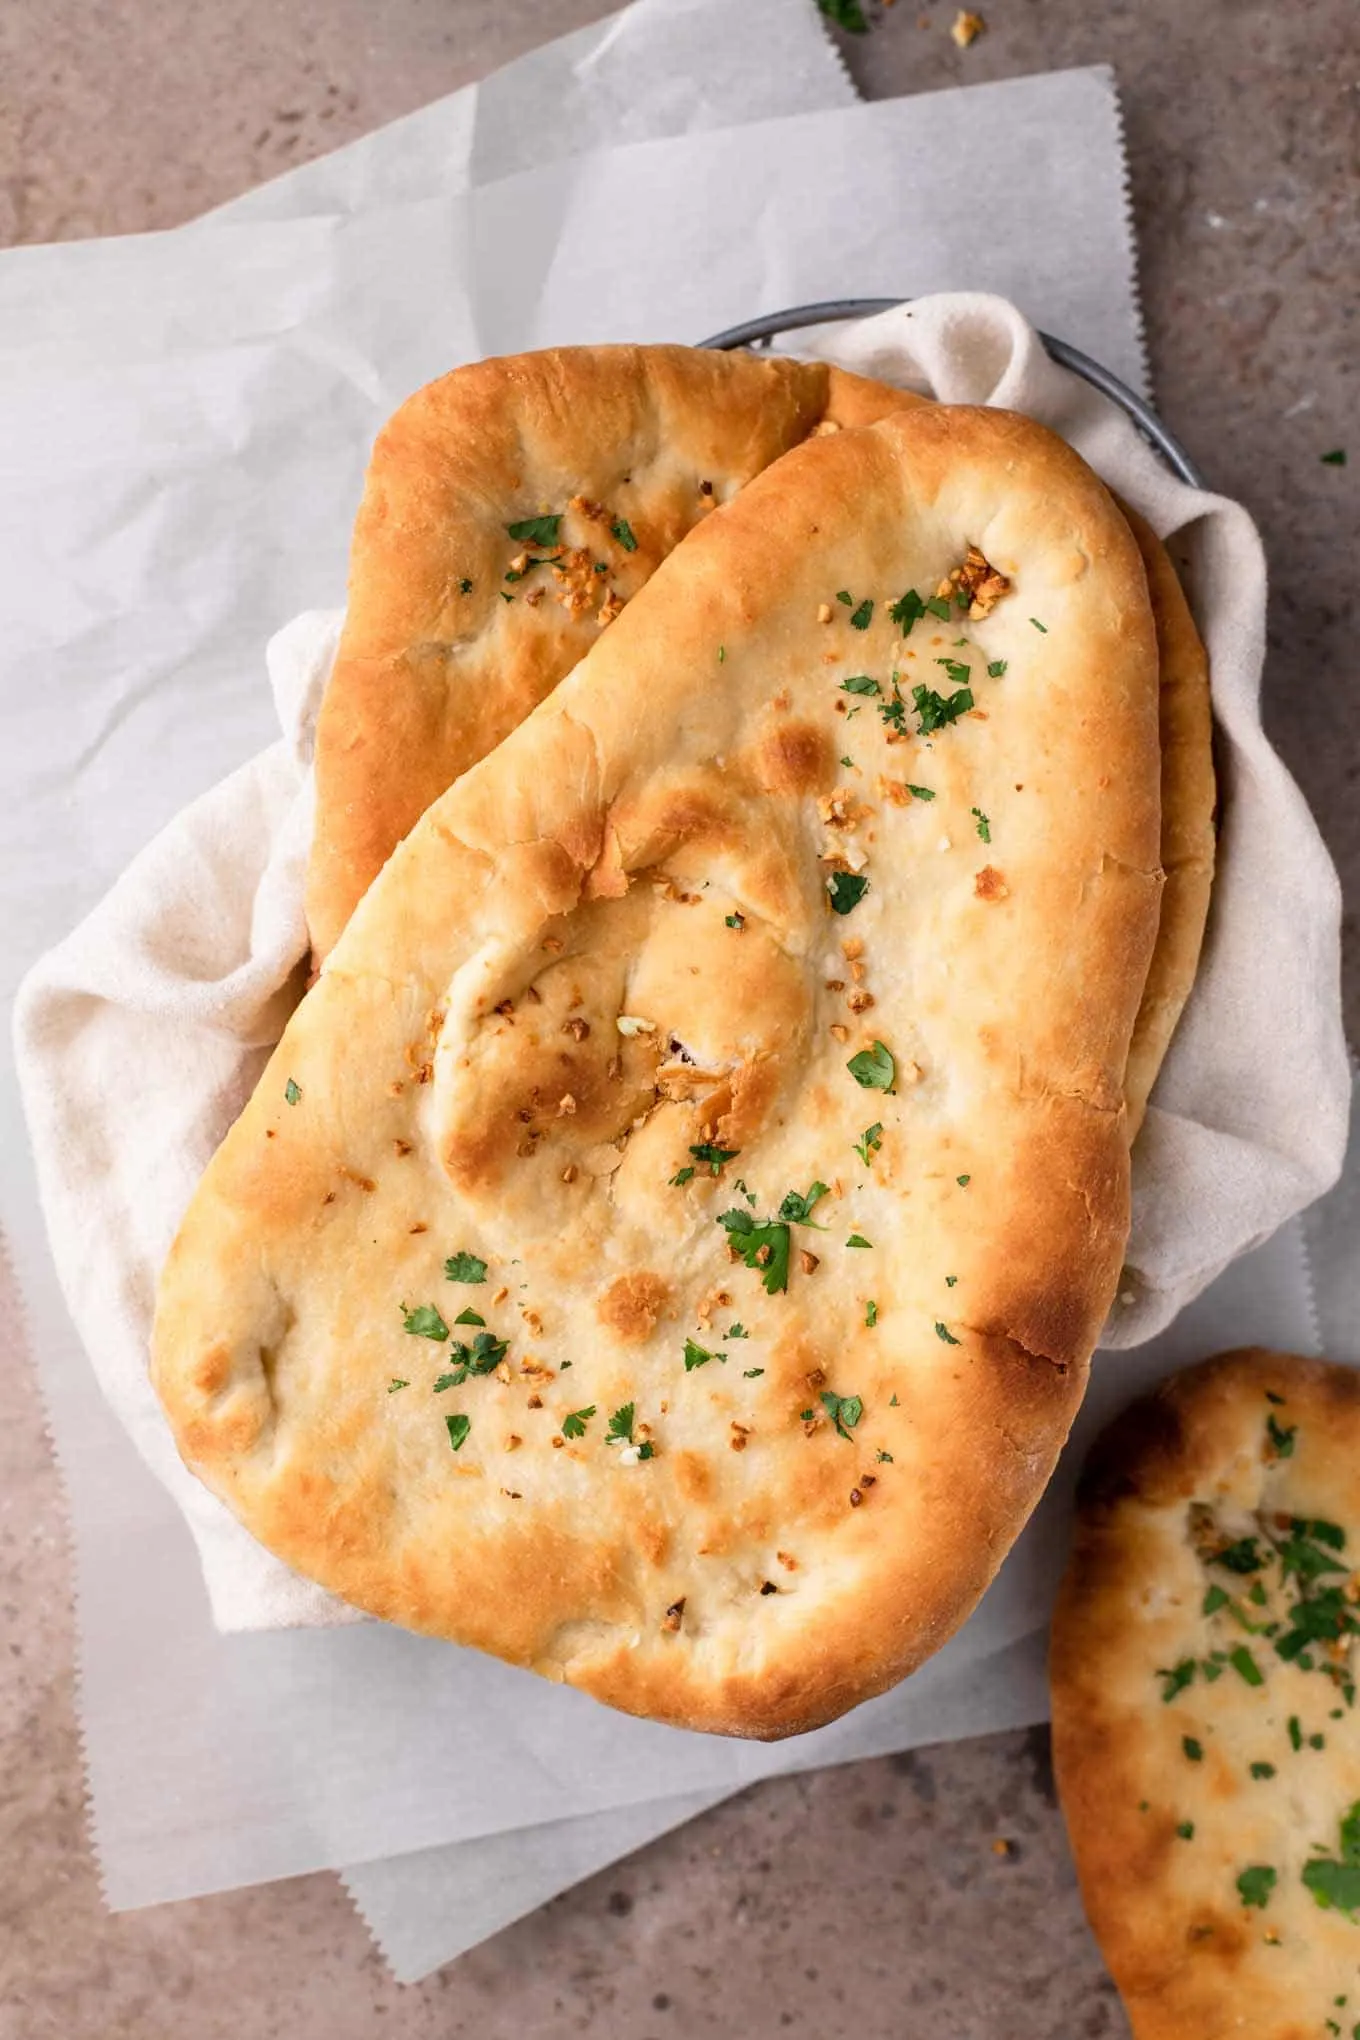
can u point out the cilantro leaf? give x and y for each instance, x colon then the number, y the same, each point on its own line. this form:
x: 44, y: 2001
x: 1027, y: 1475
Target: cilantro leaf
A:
x: 847, y: 889
x: 1333, y: 1884
x: 623, y: 532
x: 395, y: 1383
x: 958, y: 670
x: 1039, y: 626
x: 698, y: 1356
x: 1336, y: 458
x: 862, y: 616
x: 465, y: 1268
x: 536, y: 530
x: 714, y: 1157
x: 869, y: 1142
x: 574, y: 1424
x: 1214, y: 1599
x: 1177, y: 1679
x: 459, y: 1426
x: 620, y: 1430
x: 870, y: 1314
x: 858, y: 1240
x: 938, y: 605
x: 1186, y: 1830
x: 764, y: 1247
x: 797, y: 1207
x: 906, y: 611
x: 1281, y: 1437
x: 1245, y: 1664
x: 680, y: 1178
x: 860, y: 683
x: 1255, y: 1885
x: 995, y: 668
x: 873, y: 1069
x: 1193, y: 1749
x: 734, y: 920
x: 751, y: 1373
x: 984, y: 827
x: 921, y: 792
x: 1295, y: 1733
x: 844, y: 1411
x: 1241, y: 1557
x: 935, y: 711
x: 1263, y: 1770
x: 292, y: 1092
x: 943, y: 1332
x: 424, y: 1322
x: 844, y: 595
x: 483, y: 1356
x: 737, y: 1331
x: 469, y: 1317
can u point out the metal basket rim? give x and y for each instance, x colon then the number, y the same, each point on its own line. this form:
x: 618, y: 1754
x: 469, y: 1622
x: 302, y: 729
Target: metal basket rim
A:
x: 754, y: 332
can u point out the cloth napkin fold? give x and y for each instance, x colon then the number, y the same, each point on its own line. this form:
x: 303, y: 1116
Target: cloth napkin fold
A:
x: 140, y: 1036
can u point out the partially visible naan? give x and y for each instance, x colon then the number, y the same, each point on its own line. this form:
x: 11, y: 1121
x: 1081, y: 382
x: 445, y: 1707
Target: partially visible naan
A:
x: 510, y: 510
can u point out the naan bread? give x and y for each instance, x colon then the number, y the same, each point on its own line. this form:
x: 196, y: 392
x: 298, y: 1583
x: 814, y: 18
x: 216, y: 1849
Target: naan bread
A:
x: 599, y: 459
x: 622, y: 1007
x: 1204, y: 1727
x: 1189, y: 797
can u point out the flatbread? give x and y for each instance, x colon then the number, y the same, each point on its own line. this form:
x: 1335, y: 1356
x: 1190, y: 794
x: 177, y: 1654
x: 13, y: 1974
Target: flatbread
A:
x: 613, y: 943
x: 452, y: 636
x: 1210, y: 1771
x: 1189, y: 797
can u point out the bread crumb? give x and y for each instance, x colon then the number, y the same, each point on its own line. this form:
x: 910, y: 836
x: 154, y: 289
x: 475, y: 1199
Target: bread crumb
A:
x: 967, y: 27
x: 823, y: 612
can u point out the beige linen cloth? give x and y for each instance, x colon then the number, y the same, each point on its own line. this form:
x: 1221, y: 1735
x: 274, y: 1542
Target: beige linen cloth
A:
x: 140, y: 1036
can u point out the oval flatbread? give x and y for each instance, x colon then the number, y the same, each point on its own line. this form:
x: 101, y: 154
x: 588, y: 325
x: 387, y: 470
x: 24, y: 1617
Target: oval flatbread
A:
x: 1204, y: 1684
x: 666, y: 1247
x: 510, y: 510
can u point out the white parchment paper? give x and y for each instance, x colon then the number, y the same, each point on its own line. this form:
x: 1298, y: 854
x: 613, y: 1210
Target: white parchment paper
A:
x: 182, y: 426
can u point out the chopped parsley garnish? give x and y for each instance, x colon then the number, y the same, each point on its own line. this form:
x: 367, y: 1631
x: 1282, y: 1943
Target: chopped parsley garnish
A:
x: 737, y: 1332
x: 963, y: 1181
x: 1039, y: 626
x: 1193, y: 1749
x: 935, y: 711
x: 869, y: 1142
x: 847, y: 889
x: 623, y: 532
x: 522, y: 573
x: 1185, y: 1829
x: 844, y: 595
x: 722, y: 653
x: 395, y: 1383
x: 1177, y: 1679
x: 1255, y: 1885
x: 1281, y: 1437
x: 858, y: 1240
x: 798, y: 1207
x: 536, y: 530
x: 860, y: 683
x: 574, y: 1424
x: 424, y: 1322
x: 469, y: 1317
x: 943, y: 1332
x: 958, y: 670
x: 698, y: 1356
x: 752, y: 1373
x: 906, y: 611
x: 984, y: 827
x: 1214, y: 1599
x: 873, y: 1069
x: 620, y: 1430
x: 995, y: 668
x: 892, y: 1402
x: 1271, y: 1396
x: 734, y: 920
x: 1335, y: 1881
x: 465, y: 1268
x: 938, y: 605
x: 1240, y: 1557
x: 950, y: 1281
x: 292, y: 1092
x: 1295, y: 1732
x: 681, y: 1177
x: 762, y: 1246
x: 883, y: 1458
x: 848, y: 763
x: 862, y: 617
x: 871, y: 1314
x: 1336, y: 458
x: 921, y: 792
x: 483, y: 1356
x: 1246, y: 1666
x: 1263, y: 1770
x: 714, y: 1157
x: 459, y: 1426
x: 844, y: 1411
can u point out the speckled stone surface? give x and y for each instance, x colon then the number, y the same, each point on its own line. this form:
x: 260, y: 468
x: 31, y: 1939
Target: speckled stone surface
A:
x: 868, y: 1901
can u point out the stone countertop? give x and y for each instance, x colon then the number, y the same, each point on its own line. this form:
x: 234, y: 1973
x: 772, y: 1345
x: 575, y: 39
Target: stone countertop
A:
x: 908, y: 1896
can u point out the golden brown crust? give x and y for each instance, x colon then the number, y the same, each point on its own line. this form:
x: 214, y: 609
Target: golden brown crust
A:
x: 1189, y: 796
x: 1182, y: 1495
x: 452, y: 636
x: 610, y: 944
